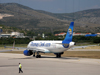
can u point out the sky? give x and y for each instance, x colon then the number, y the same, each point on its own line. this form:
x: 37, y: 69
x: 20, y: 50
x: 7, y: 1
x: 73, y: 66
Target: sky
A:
x: 58, y: 6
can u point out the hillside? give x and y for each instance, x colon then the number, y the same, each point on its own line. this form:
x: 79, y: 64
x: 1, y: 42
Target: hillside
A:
x: 91, y: 16
x: 26, y: 18
x: 16, y: 15
x: 85, y: 21
x: 8, y: 29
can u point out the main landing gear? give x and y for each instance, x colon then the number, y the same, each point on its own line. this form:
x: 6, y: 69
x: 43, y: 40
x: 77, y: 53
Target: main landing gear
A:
x: 37, y: 56
x: 58, y: 55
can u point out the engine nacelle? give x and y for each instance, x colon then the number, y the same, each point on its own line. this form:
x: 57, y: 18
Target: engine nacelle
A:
x: 27, y: 52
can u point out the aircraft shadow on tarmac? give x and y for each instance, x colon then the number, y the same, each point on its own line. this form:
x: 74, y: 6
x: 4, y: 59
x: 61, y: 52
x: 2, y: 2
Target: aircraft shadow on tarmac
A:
x: 7, y: 65
x: 60, y: 58
x: 43, y: 57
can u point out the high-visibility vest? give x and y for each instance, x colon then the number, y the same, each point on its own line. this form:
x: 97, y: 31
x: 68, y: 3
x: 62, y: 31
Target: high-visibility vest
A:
x: 20, y: 66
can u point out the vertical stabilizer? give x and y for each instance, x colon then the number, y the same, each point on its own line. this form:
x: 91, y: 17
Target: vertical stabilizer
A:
x: 13, y: 46
x: 69, y: 34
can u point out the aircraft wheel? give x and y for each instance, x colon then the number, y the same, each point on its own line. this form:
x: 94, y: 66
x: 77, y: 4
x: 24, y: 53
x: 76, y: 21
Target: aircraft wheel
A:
x: 58, y: 55
x: 38, y: 56
x: 33, y: 55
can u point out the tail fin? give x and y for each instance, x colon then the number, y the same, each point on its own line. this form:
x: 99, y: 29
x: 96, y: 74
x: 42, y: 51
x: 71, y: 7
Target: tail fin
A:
x: 13, y: 45
x: 69, y: 34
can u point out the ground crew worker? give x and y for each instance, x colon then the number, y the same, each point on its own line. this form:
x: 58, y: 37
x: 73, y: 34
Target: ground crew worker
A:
x: 20, y: 68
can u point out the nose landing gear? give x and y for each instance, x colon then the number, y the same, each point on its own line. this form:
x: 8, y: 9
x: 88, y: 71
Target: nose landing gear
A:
x: 33, y: 54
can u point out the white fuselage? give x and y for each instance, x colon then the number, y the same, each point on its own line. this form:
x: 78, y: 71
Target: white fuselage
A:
x: 49, y: 46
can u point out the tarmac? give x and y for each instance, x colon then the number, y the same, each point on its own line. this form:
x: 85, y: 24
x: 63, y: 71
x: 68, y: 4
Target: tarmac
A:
x: 48, y: 65
x: 84, y: 50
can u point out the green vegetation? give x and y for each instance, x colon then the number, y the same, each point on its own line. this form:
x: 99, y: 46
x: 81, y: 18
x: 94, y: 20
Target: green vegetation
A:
x: 83, y: 39
x: 9, y: 29
x: 77, y: 39
x: 4, y: 41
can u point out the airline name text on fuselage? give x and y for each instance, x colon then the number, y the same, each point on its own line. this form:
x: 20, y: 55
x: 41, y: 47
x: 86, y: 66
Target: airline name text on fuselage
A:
x: 41, y: 44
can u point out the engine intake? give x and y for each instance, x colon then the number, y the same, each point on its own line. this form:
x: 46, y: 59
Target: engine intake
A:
x: 27, y: 52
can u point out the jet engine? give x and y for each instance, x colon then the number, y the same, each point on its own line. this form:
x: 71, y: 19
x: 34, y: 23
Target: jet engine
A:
x: 27, y: 52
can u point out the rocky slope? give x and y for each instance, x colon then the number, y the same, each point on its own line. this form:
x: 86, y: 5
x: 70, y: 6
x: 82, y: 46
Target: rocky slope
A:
x: 16, y: 15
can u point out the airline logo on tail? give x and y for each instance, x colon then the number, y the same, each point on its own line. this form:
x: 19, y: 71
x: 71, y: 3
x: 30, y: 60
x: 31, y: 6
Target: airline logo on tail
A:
x: 70, y: 32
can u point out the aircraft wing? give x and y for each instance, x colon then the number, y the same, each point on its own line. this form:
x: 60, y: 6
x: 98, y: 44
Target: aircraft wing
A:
x: 83, y: 46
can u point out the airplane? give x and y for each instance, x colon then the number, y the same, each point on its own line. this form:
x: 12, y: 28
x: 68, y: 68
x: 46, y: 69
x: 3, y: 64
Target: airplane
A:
x: 56, y: 47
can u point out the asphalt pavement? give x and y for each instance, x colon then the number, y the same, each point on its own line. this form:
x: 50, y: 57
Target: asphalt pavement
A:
x: 48, y: 65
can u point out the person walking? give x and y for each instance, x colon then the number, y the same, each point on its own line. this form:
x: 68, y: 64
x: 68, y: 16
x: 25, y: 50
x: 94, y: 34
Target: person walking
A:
x: 20, y: 68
